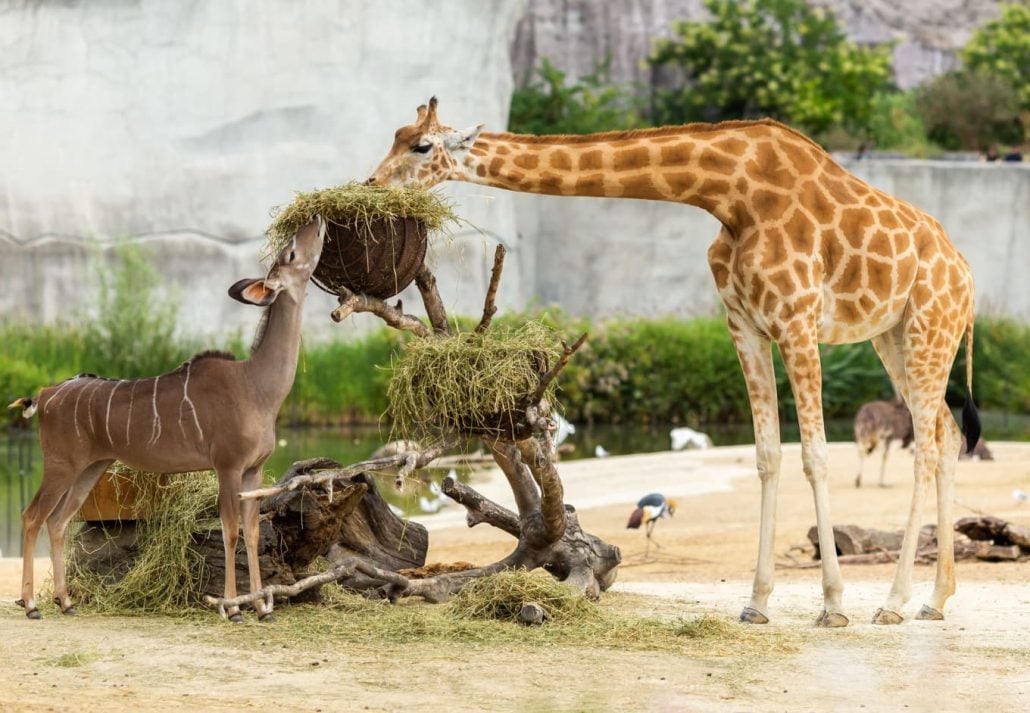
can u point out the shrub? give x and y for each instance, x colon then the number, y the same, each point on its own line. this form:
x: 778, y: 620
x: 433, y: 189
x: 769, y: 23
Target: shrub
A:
x: 1002, y: 48
x: 964, y: 110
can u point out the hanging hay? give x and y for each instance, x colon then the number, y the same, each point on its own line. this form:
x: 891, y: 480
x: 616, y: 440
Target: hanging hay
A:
x: 168, y: 574
x: 471, y: 383
x: 502, y: 595
x: 376, y: 236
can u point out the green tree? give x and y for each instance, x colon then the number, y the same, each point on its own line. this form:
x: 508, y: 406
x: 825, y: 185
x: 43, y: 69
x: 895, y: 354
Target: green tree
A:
x: 548, y: 106
x: 966, y: 110
x: 1002, y: 48
x: 778, y: 58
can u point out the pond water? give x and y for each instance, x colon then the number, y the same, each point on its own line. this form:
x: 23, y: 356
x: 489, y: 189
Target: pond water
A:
x: 21, y: 465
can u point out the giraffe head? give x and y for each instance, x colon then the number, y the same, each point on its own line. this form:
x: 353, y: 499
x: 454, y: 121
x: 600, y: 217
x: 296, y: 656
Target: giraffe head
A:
x: 425, y: 153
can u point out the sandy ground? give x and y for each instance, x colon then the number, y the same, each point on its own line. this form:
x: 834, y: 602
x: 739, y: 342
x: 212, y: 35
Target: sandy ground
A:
x: 979, y: 658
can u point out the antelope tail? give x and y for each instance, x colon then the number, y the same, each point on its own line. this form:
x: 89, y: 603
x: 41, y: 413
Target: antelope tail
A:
x: 970, y: 418
x: 27, y: 406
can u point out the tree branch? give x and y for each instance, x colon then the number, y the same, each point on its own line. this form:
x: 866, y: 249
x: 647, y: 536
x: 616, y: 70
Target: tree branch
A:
x: 489, y: 306
x: 479, y: 508
x: 351, y: 303
x: 547, y: 378
x: 426, y: 283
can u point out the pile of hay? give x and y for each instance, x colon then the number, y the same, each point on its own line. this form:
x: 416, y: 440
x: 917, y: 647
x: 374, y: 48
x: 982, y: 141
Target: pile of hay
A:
x: 470, y: 383
x: 501, y: 596
x: 376, y: 236
x: 167, y: 575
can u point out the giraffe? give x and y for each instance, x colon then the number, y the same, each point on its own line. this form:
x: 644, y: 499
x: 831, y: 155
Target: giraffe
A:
x: 807, y: 254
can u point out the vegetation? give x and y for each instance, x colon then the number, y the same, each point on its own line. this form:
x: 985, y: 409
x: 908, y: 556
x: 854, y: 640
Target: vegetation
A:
x: 967, y: 110
x: 779, y: 58
x: 1001, y: 48
x: 549, y: 106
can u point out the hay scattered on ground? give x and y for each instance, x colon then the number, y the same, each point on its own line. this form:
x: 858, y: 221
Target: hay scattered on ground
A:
x: 168, y: 574
x: 501, y: 596
x: 464, y: 383
x: 355, y: 204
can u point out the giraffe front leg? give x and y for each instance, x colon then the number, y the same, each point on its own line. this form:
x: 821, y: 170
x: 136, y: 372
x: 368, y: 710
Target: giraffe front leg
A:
x: 805, y: 372
x: 754, y: 352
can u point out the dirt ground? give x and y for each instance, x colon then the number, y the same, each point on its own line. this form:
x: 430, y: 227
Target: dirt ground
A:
x: 979, y: 658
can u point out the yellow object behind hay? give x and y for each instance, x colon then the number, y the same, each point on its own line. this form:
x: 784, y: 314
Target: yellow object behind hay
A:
x: 356, y: 204
x: 461, y: 383
x: 167, y: 575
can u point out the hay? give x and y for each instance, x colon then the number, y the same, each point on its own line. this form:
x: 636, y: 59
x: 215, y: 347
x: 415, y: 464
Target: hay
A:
x: 167, y: 575
x: 501, y: 596
x: 469, y: 383
x: 355, y: 204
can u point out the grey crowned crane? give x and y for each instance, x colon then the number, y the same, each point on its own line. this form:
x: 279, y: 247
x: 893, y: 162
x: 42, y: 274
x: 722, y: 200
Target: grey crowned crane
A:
x: 650, y: 509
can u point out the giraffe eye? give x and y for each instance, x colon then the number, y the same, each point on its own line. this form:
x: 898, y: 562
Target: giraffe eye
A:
x: 421, y: 148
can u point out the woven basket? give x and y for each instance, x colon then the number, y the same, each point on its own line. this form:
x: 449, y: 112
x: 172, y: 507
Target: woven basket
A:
x: 378, y: 258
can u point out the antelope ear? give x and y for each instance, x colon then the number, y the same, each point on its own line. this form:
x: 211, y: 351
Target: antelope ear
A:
x: 253, y: 292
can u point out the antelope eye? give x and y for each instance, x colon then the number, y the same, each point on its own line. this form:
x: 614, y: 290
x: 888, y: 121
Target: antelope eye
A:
x: 421, y: 148
x: 293, y: 256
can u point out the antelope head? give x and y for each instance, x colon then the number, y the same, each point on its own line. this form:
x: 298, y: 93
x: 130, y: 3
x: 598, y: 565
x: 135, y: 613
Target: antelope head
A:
x: 290, y: 271
x: 425, y: 153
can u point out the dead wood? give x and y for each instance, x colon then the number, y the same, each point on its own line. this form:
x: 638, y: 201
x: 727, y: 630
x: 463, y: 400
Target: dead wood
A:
x: 489, y: 304
x: 351, y: 303
x: 426, y: 283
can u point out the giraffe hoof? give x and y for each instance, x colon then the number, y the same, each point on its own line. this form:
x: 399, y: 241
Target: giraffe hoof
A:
x: 33, y: 613
x: 928, y: 613
x: 753, y: 616
x: 267, y: 617
x: 831, y: 620
x: 885, y: 616
x: 236, y: 618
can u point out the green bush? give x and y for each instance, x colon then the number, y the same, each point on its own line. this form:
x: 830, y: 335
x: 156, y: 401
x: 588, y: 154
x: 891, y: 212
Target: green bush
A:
x: 965, y: 110
x: 1002, y: 48
x: 895, y: 124
x: 548, y: 106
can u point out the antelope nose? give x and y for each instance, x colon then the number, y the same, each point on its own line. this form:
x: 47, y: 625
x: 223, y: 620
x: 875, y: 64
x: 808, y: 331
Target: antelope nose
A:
x: 371, y: 181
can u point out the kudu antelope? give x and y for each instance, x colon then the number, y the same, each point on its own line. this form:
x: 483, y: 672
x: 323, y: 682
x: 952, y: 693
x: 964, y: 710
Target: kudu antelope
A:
x: 213, y: 412
x: 881, y: 422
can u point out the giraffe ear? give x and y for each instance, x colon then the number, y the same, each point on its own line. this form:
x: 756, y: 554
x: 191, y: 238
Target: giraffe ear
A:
x: 462, y: 140
x: 253, y: 292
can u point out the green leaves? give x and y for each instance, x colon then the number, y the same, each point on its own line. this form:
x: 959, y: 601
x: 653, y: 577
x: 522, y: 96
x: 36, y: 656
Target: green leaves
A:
x: 776, y: 58
x: 1002, y: 48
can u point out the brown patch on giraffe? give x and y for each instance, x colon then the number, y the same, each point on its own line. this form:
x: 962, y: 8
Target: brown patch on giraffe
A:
x: 922, y: 294
x: 881, y: 244
x: 680, y: 181
x: 526, y: 161
x: 832, y: 252
x: 850, y: 279
x: 888, y: 219
x: 872, y: 200
x: 518, y: 177
x: 817, y: 203
x: 769, y: 301
x: 678, y: 155
x: 560, y: 160
x: 806, y: 303
x: 924, y: 241
x: 902, y: 243
x: 589, y: 185
x: 906, y: 268
x: 626, y: 159
x: 837, y: 189
x: 802, y: 274
x: 768, y: 167
x: 502, y: 149
x: 783, y: 281
x: 880, y: 276
x: 731, y: 145
x: 853, y: 224
x: 591, y: 160
x: 769, y: 205
x: 799, y: 156
x: 551, y: 182
x: 721, y: 273
x: 742, y: 185
x: 801, y: 233
x: 717, y: 162
x: 938, y: 275
x: 755, y: 290
x: 639, y: 185
x: 480, y: 170
x: 709, y: 194
x: 741, y: 215
x: 775, y: 251
x: 495, y: 166
x: 477, y: 151
x: 846, y: 311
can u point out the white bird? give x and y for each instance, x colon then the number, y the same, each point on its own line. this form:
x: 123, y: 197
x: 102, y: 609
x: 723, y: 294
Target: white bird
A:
x: 600, y: 452
x: 564, y: 429
x: 684, y: 437
x: 650, y: 509
x: 1020, y: 496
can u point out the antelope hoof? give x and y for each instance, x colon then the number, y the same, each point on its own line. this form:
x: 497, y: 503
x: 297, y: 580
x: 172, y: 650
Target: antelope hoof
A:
x: 928, y: 613
x: 831, y: 620
x: 236, y: 618
x: 70, y: 610
x: 267, y: 617
x: 885, y: 616
x: 753, y: 616
x: 33, y: 613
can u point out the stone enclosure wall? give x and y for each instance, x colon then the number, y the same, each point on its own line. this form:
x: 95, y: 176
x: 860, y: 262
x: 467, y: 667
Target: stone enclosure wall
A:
x: 181, y: 125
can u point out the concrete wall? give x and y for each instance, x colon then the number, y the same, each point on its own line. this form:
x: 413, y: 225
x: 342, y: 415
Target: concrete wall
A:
x: 182, y: 124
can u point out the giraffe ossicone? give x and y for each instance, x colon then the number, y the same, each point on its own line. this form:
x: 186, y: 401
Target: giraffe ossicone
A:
x: 808, y: 253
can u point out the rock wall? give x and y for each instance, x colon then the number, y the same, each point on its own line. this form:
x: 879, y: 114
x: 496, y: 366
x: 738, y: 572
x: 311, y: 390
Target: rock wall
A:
x: 576, y: 34
x: 182, y: 124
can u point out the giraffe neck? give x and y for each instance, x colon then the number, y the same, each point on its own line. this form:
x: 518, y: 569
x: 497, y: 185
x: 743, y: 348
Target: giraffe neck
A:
x: 701, y: 165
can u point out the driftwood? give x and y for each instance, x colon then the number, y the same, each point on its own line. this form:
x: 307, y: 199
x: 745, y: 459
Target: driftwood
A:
x: 984, y: 538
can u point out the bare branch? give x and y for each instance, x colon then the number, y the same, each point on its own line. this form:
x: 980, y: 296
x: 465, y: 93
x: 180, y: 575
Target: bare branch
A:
x: 351, y: 303
x: 426, y: 283
x: 481, y: 509
x: 547, y: 378
x: 552, y: 494
x: 527, y: 497
x: 489, y: 306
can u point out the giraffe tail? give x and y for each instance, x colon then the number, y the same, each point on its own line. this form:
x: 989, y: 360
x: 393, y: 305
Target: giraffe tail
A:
x: 27, y: 406
x: 970, y: 418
